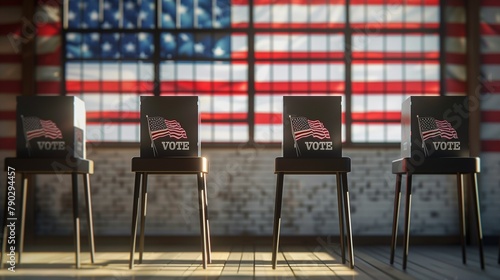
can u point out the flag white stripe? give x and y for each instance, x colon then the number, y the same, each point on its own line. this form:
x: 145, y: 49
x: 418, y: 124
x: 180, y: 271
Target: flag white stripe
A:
x: 10, y: 15
x: 490, y: 44
x: 8, y: 128
x: 8, y: 101
x: 394, y: 14
x: 47, y: 44
x: 490, y: 14
x: 299, y: 72
x: 10, y: 71
x: 490, y: 131
x: 395, y: 43
x: 203, y: 72
x: 395, y: 72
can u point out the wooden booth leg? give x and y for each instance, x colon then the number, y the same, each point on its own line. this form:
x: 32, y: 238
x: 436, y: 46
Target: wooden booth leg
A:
x: 133, y: 237
x: 347, y: 206
x: 461, y: 209
x: 341, y: 216
x: 277, y: 217
x: 90, y: 220
x: 395, y: 216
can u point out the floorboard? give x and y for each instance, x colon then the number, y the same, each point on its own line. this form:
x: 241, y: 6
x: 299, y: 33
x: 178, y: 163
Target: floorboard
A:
x: 253, y: 261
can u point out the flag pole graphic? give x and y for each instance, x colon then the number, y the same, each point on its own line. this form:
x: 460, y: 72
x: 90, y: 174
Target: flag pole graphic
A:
x: 296, y: 145
x: 153, y: 146
x: 422, y: 137
x: 26, y: 136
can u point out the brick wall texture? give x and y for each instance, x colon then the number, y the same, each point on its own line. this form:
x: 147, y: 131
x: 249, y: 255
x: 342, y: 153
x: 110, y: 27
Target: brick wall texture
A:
x: 241, y: 190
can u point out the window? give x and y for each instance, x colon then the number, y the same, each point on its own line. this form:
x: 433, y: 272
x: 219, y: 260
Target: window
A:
x: 241, y: 59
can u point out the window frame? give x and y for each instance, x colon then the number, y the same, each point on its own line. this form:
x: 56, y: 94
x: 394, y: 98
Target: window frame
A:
x: 251, y: 32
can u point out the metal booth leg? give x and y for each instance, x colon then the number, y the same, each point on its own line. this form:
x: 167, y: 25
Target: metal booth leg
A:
x: 90, y: 220
x: 341, y: 215
x: 207, y: 220
x: 76, y: 218
x: 395, y: 216
x: 24, y: 197
x: 347, y: 207
x: 203, y: 228
x: 407, y: 219
x: 475, y: 200
x: 277, y: 217
x: 144, y: 205
x: 137, y: 191
x: 461, y: 209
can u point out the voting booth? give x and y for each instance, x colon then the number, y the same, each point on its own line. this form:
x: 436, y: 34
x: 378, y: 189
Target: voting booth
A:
x: 170, y: 145
x: 435, y: 126
x: 50, y: 127
x: 312, y: 126
x: 170, y: 126
x: 312, y: 145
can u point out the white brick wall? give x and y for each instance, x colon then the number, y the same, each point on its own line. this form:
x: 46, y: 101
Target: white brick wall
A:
x: 241, y: 197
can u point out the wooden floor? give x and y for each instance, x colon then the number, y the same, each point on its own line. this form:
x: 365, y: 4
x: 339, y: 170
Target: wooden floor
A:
x: 253, y: 261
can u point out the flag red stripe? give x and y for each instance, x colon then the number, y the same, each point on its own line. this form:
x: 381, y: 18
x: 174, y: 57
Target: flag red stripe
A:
x: 297, y: 55
x: 49, y: 59
x: 8, y: 115
x: 7, y: 143
x: 494, y: 3
x: 456, y: 30
x: 490, y: 116
x: 107, y: 86
x: 305, y: 86
x: 10, y: 86
x: 49, y: 29
x: 218, y: 88
x: 124, y: 115
x: 390, y: 54
x: 490, y: 58
x: 489, y: 28
x: 353, y: 2
x: 6, y: 29
x: 296, y: 25
x: 455, y: 85
x: 396, y: 2
x: 396, y: 87
x: 288, y: 2
x: 15, y: 3
x: 455, y: 58
x: 48, y: 87
x: 10, y: 58
x: 490, y: 145
x: 395, y: 61
x: 375, y: 26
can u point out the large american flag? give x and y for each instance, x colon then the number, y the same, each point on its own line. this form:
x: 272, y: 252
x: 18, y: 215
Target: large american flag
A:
x: 159, y: 127
x: 303, y: 127
x: 35, y: 127
x: 430, y: 128
x: 379, y: 85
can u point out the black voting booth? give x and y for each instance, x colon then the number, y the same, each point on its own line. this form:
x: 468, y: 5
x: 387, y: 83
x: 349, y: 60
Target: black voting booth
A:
x: 51, y: 140
x: 435, y: 140
x: 170, y: 144
x: 312, y: 145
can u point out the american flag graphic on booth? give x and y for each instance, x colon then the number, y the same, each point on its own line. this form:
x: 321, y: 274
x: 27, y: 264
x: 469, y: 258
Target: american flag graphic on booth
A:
x: 430, y: 128
x: 35, y: 127
x: 303, y: 127
x: 160, y: 127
